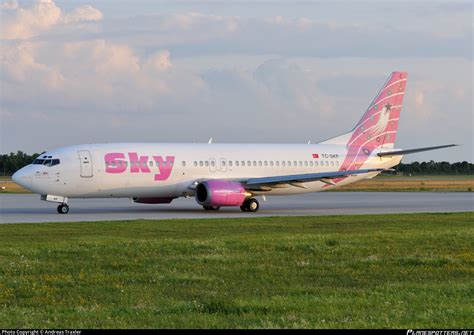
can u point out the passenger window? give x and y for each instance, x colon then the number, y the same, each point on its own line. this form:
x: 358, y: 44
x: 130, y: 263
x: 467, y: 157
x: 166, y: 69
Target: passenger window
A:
x: 248, y: 163
x: 311, y: 163
x: 223, y: 163
x: 271, y: 163
x: 242, y: 163
x: 201, y: 163
x: 206, y: 163
x: 254, y: 163
x: 183, y: 164
x: 316, y: 164
x: 265, y: 163
x: 277, y: 163
x: 301, y: 163
x: 213, y: 163
x: 332, y: 163
x: 195, y: 163
x: 295, y: 163
x: 236, y: 163
x: 230, y: 163
x: 150, y: 163
x: 327, y: 163
x: 283, y: 163
x: 305, y: 163
x: 259, y: 163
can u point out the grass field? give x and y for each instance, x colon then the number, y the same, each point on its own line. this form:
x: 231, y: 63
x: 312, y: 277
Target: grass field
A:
x: 413, y: 184
x: 407, y: 271
x: 381, y: 184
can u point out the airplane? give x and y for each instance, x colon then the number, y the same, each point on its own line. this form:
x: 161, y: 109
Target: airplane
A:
x: 218, y: 175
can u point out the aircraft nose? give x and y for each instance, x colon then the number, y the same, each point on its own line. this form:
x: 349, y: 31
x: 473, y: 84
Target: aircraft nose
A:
x: 22, y: 178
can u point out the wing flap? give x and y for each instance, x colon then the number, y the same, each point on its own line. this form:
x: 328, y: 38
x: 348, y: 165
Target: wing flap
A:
x: 298, y: 179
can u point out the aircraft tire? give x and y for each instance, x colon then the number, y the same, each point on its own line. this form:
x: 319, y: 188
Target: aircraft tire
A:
x: 211, y: 208
x: 63, y: 209
x: 252, y: 205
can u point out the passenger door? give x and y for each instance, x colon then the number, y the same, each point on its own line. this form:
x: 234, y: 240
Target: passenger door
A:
x: 86, y: 163
x: 212, y: 165
x: 223, y: 164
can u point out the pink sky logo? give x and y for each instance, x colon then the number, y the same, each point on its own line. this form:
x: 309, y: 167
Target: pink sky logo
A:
x: 116, y: 162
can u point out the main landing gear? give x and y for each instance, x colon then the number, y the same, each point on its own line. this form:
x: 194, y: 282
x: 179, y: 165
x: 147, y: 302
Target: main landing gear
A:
x: 250, y: 205
x: 211, y: 208
x: 63, y: 209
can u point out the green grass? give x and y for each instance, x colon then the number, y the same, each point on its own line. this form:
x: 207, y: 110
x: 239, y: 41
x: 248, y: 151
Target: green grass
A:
x: 404, y: 271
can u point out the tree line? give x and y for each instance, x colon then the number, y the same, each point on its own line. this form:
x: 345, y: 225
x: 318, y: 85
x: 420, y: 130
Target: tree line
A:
x: 9, y: 163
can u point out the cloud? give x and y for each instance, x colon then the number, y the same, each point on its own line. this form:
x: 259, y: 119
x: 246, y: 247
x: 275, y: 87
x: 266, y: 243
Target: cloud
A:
x: 185, y: 76
x: 81, y: 14
x: 24, y: 23
x: 20, y: 67
x: 92, y: 75
x: 198, y: 34
x: 159, y: 61
x: 419, y: 99
x: 9, y: 5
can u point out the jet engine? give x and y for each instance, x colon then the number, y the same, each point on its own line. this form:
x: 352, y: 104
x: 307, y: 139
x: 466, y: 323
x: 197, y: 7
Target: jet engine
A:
x: 220, y: 193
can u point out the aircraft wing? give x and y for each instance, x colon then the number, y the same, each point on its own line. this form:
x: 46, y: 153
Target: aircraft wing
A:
x: 299, y: 179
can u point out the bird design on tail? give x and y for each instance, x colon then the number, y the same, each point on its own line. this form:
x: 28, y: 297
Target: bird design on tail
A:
x: 378, y: 127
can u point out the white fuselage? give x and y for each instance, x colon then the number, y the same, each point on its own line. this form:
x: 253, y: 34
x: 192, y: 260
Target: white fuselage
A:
x: 171, y: 170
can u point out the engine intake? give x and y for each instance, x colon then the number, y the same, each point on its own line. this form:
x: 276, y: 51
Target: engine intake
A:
x: 220, y: 193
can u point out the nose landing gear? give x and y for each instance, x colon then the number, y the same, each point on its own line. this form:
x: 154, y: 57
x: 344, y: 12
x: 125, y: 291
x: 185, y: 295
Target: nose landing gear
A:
x: 63, y: 209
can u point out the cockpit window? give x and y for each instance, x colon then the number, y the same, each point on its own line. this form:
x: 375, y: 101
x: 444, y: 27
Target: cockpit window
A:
x: 47, y: 162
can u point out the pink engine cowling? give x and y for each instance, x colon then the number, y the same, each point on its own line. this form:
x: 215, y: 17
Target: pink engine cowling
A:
x: 220, y: 193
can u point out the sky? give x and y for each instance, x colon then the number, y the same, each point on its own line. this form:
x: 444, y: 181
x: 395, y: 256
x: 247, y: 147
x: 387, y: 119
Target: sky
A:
x: 76, y: 72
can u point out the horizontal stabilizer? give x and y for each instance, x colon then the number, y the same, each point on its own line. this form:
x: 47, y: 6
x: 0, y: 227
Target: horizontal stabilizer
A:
x: 412, y: 151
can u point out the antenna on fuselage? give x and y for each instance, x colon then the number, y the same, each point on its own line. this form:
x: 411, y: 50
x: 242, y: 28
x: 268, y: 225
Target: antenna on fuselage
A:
x: 210, y: 141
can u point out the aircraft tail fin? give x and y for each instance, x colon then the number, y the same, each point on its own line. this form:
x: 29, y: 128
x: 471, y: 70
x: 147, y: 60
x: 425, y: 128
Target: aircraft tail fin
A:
x: 379, y: 124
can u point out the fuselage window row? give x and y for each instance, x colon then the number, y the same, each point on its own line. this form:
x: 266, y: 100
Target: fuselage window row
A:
x: 52, y: 162
x: 236, y: 163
